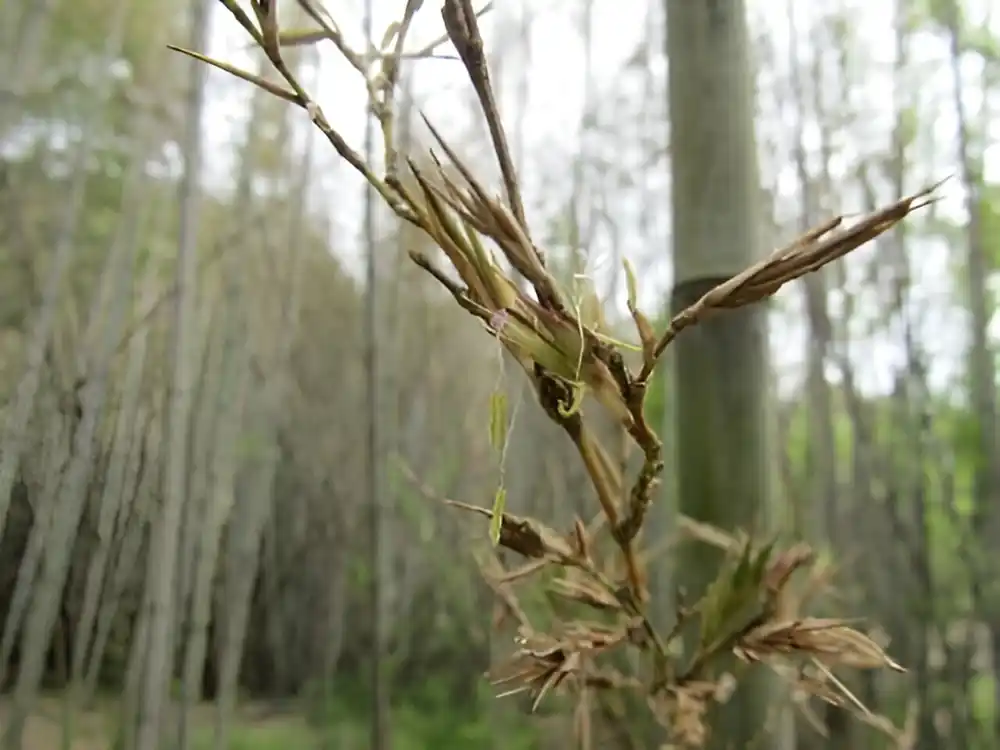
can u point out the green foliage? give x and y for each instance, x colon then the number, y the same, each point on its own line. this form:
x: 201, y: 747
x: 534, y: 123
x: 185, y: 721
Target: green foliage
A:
x: 427, y: 717
x: 984, y: 703
x: 954, y: 233
x: 798, y: 439
x: 931, y: 11
x: 984, y: 43
x: 252, y: 445
x: 498, y: 441
x: 734, y: 597
x: 946, y: 481
x: 75, y: 51
x: 279, y: 734
x: 80, y: 30
x: 990, y: 212
x: 656, y: 393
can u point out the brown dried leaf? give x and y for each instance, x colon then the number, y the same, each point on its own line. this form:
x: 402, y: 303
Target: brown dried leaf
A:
x: 883, y: 724
x: 681, y: 711
x: 575, y: 587
x: 831, y: 641
x: 810, y: 252
x: 554, y: 677
x: 814, y: 684
x: 526, y: 570
x: 593, y: 636
x: 612, y: 679
x: 857, y: 650
x: 543, y: 662
x: 581, y: 539
x: 526, y: 536
x: 493, y: 573
x: 782, y: 568
x: 806, y: 254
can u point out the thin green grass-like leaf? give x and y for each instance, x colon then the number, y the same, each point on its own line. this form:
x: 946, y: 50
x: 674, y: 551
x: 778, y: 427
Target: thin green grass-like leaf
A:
x: 498, y: 421
x: 496, y: 522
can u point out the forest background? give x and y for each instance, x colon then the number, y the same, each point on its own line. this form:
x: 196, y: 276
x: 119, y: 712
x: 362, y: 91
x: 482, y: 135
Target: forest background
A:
x: 117, y: 160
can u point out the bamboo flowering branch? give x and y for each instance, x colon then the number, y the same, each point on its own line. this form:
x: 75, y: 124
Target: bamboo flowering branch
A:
x: 566, y: 353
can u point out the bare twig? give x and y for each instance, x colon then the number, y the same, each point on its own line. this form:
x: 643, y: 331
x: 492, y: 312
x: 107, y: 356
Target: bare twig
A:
x: 463, y: 29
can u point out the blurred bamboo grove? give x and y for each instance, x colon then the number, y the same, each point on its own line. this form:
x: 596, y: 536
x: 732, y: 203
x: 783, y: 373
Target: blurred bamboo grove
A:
x: 215, y: 511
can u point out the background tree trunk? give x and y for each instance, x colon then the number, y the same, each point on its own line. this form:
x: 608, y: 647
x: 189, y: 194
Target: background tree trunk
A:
x: 723, y: 458
x: 158, y: 669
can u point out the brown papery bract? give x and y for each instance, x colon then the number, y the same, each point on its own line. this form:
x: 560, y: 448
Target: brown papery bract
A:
x: 603, y: 602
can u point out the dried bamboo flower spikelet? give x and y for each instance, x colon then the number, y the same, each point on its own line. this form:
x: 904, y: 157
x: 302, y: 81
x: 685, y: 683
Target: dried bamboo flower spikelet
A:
x: 561, y: 344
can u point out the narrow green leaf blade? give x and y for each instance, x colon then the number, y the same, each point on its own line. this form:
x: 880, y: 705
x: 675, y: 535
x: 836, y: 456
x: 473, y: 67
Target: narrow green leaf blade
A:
x: 496, y: 522
x: 498, y: 421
